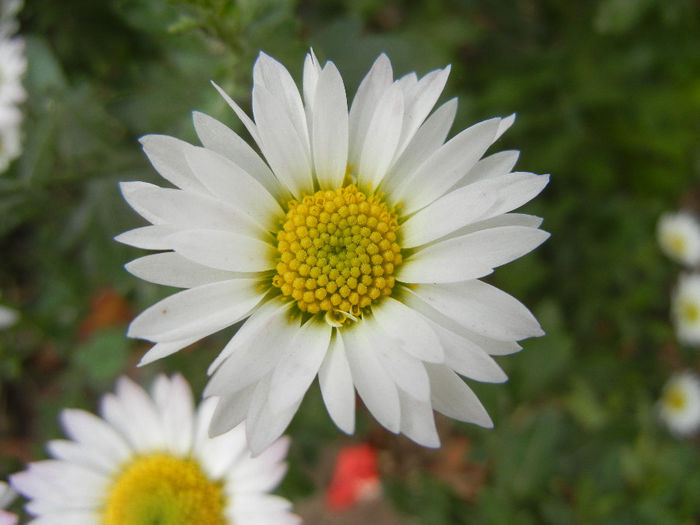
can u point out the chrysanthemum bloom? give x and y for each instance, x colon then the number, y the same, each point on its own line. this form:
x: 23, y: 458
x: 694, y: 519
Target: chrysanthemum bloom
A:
x: 353, y: 251
x: 150, y: 461
x: 679, y: 407
x: 7, y: 496
x: 679, y: 237
x: 685, y: 309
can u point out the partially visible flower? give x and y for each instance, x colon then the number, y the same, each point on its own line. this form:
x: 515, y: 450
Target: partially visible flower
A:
x: 8, y: 317
x: 353, y: 251
x: 12, y: 66
x: 13, y: 63
x: 7, y: 496
x: 150, y: 460
x: 355, y: 477
x: 679, y: 407
x: 685, y: 309
x: 679, y: 237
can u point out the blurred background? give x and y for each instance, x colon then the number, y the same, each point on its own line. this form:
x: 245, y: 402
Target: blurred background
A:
x: 607, y: 94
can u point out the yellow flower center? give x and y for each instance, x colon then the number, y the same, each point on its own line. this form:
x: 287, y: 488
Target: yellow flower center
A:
x: 674, y: 399
x: 690, y: 312
x: 337, y: 253
x: 676, y: 243
x: 160, y: 489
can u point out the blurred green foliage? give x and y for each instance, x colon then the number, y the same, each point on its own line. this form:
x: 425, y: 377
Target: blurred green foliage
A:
x: 608, y: 100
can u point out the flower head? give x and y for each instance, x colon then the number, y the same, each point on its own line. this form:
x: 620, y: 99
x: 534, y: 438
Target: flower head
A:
x: 685, y: 309
x: 679, y: 406
x: 679, y: 237
x: 352, y: 249
x: 150, y: 461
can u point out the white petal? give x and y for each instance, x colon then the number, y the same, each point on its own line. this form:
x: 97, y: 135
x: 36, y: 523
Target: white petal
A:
x: 382, y: 138
x: 197, y: 312
x: 132, y: 412
x: 61, y: 484
x: 285, y: 150
x: 161, y: 350
x: 263, y: 425
x: 236, y: 187
x: 172, y: 269
x: 95, y: 434
x: 481, y: 308
x: 426, y: 141
x: 515, y: 189
x: 495, y: 165
x: 299, y: 364
x: 262, y: 473
x: 220, y: 138
x: 471, y: 203
x: 421, y: 103
x: 255, y: 349
x: 231, y: 410
x: 335, y: 380
x: 71, y: 517
x: 445, y: 167
x: 221, y: 455
x: 405, y: 370
x: 376, y: 81
x: 245, y: 119
x: 452, y: 397
x: 470, y: 256
x: 184, y: 209
x: 167, y: 154
x: 507, y: 219
x: 373, y: 383
x: 488, y: 344
x: 467, y: 358
x: 147, y: 237
x: 329, y: 130
x: 72, y: 452
x: 275, y: 78
x: 418, y: 421
x: 506, y: 123
x: 224, y: 250
x: 312, y: 70
x: 409, y: 330
x: 173, y: 398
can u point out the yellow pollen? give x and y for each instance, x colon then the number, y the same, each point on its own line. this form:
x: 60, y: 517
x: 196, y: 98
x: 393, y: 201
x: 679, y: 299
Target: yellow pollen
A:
x: 690, y: 312
x: 674, y: 399
x: 338, y: 252
x: 160, y: 489
x: 676, y: 243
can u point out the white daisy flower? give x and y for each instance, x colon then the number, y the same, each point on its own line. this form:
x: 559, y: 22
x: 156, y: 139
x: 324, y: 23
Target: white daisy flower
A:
x: 679, y: 237
x: 7, y: 496
x: 8, y: 317
x: 150, y: 460
x: 685, y: 309
x: 353, y: 251
x: 679, y: 407
x: 12, y: 66
x: 10, y: 135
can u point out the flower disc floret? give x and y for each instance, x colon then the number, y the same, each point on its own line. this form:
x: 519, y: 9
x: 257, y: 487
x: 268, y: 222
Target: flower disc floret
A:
x: 160, y: 488
x: 338, y: 252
